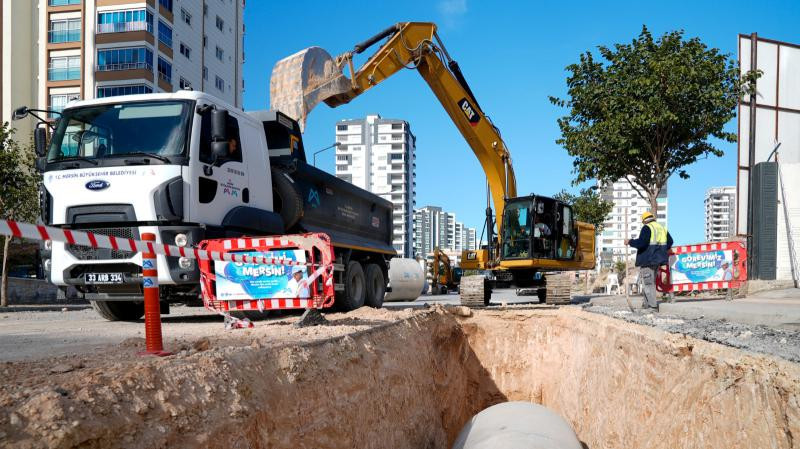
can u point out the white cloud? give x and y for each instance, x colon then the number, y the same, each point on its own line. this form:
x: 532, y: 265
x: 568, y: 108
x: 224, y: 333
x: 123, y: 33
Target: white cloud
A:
x: 452, y: 10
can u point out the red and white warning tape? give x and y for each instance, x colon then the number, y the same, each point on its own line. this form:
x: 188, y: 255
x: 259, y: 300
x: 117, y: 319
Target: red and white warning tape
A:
x: 41, y: 232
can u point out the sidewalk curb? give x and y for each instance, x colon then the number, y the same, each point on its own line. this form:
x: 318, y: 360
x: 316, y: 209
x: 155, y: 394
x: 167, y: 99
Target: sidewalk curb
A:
x: 45, y: 308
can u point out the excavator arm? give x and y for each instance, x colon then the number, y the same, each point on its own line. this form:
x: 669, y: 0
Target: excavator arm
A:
x: 410, y: 45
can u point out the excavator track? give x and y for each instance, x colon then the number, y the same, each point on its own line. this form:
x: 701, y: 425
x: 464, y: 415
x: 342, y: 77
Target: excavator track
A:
x: 475, y: 291
x: 559, y: 286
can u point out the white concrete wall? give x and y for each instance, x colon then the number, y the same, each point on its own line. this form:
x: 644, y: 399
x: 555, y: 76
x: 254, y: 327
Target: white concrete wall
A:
x: 19, y: 64
x: 790, y: 176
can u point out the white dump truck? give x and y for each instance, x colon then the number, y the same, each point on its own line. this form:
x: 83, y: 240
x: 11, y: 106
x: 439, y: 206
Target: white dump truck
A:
x: 187, y: 167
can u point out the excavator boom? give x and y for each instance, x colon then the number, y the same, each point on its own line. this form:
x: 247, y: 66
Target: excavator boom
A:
x: 410, y: 45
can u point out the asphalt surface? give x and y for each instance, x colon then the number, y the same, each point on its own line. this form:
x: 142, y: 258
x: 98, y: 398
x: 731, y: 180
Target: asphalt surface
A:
x: 768, y: 322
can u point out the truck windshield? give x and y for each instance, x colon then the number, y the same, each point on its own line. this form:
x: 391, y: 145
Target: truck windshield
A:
x: 517, y: 229
x: 106, y: 131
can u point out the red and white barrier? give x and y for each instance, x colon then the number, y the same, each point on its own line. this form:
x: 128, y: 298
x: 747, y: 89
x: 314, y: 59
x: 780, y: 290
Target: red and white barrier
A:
x: 90, y: 239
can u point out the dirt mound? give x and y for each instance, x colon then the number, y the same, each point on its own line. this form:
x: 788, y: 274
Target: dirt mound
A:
x: 407, y: 380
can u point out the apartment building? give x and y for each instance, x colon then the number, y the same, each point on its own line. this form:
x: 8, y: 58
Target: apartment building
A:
x: 18, y: 22
x: 720, y: 213
x: 99, y: 48
x: 379, y: 155
x: 625, y: 220
x: 435, y: 228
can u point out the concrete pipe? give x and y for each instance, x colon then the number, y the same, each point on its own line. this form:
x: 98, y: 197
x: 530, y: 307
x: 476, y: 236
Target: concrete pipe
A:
x: 517, y: 425
x: 406, y: 278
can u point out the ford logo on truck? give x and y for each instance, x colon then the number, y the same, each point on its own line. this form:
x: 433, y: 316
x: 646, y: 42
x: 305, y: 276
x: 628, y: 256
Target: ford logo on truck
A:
x: 97, y: 184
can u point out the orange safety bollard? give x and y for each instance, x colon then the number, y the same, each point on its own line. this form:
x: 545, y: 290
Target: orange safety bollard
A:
x: 152, y: 309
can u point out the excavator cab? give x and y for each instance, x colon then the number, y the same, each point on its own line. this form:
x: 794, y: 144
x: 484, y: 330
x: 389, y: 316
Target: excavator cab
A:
x: 538, y: 227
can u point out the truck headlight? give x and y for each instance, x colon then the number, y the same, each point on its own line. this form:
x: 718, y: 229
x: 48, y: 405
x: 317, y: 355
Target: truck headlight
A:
x: 48, y: 245
x: 181, y: 240
x: 46, y: 265
x: 185, y: 263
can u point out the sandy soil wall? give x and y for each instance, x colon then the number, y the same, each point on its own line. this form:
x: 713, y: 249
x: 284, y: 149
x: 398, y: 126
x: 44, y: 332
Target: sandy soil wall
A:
x: 412, y: 382
x: 630, y: 386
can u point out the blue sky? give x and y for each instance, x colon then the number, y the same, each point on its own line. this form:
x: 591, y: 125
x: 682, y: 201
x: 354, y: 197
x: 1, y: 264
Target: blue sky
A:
x: 513, y: 55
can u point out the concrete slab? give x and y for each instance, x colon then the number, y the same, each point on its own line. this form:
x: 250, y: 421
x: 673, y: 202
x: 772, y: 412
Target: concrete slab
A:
x: 778, y: 308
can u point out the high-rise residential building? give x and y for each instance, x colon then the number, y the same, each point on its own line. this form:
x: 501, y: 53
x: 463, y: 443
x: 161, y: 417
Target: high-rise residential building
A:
x: 720, y: 208
x: 83, y: 49
x: 19, y: 25
x: 379, y: 155
x: 628, y: 205
x: 435, y: 228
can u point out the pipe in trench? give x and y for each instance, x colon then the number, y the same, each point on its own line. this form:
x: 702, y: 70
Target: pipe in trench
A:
x: 517, y: 425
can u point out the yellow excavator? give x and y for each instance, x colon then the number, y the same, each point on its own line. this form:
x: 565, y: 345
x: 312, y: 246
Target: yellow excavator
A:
x: 538, y: 240
x: 444, y: 276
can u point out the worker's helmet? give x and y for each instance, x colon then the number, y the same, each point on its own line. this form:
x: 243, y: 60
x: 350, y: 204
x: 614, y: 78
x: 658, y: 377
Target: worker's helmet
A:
x: 296, y: 270
x: 647, y: 215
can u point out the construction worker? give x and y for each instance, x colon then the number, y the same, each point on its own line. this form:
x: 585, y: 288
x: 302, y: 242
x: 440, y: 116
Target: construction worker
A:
x: 651, y: 252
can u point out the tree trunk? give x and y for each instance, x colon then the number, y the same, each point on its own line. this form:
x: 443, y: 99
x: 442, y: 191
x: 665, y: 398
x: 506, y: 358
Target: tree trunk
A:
x: 653, y: 197
x: 4, y: 276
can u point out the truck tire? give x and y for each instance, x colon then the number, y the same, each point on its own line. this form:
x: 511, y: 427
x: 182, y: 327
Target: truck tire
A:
x: 285, y: 199
x: 376, y: 286
x: 355, y: 286
x: 119, y: 310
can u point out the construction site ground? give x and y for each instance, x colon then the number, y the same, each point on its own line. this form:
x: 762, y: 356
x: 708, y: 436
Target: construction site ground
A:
x: 409, y: 375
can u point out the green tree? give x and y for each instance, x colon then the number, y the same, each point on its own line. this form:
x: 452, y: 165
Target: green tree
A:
x: 18, y: 191
x: 647, y: 109
x: 588, y: 206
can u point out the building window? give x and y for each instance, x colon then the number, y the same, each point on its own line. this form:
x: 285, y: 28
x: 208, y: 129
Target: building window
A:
x: 57, y: 102
x: 165, y: 34
x: 341, y: 127
x: 113, y: 91
x: 186, y: 17
x: 64, y: 68
x: 164, y: 70
x: 63, y: 2
x: 167, y: 4
x: 123, y: 21
x: 396, y: 156
x: 186, y: 51
x: 64, y: 31
x: 205, y: 73
x: 205, y: 41
x: 397, y: 126
x: 184, y: 84
x: 124, y: 59
x: 219, y: 83
x: 205, y: 9
x: 220, y: 53
x: 220, y: 24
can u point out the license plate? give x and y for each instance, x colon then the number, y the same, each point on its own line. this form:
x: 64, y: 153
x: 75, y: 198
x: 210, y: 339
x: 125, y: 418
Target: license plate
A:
x: 103, y: 278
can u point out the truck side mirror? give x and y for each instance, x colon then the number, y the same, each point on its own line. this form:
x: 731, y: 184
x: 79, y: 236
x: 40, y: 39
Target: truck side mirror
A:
x: 40, y: 141
x: 219, y: 133
x: 19, y: 113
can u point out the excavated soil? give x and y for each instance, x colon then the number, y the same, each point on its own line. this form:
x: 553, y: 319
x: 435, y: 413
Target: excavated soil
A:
x: 380, y: 379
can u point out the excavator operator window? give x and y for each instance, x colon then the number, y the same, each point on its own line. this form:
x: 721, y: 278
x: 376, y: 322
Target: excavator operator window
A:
x: 516, y: 230
x: 568, y: 237
x: 544, y: 228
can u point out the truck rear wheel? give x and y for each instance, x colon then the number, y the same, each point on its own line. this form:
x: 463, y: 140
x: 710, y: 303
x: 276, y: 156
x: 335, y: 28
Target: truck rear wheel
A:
x: 119, y: 310
x: 354, y: 288
x: 376, y: 286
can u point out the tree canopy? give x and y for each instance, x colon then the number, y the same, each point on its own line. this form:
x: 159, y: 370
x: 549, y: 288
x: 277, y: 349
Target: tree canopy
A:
x: 588, y: 206
x: 647, y: 109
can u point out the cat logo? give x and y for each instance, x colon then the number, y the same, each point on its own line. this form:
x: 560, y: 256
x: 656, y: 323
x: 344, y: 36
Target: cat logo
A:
x: 469, y: 111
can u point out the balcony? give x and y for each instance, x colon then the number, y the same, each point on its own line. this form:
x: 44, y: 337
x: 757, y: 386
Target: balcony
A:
x: 62, y: 36
x: 125, y: 66
x: 124, y: 27
x: 63, y: 2
x: 63, y: 73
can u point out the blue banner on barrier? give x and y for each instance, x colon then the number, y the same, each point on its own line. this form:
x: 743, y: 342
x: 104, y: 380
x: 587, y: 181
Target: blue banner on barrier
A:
x: 702, y: 267
x: 242, y: 281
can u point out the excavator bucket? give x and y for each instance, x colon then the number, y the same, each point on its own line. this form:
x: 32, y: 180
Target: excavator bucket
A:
x: 303, y: 80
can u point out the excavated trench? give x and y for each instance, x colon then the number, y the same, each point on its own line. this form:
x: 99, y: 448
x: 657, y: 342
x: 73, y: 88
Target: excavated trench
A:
x: 413, y: 382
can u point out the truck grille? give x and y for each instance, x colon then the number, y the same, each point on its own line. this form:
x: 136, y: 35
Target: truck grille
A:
x: 88, y: 253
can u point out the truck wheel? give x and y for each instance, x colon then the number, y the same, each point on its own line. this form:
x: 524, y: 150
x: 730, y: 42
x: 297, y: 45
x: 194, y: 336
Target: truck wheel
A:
x: 286, y: 200
x: 376, y: 286
x: 119, y: 310
x: 354, y: 288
